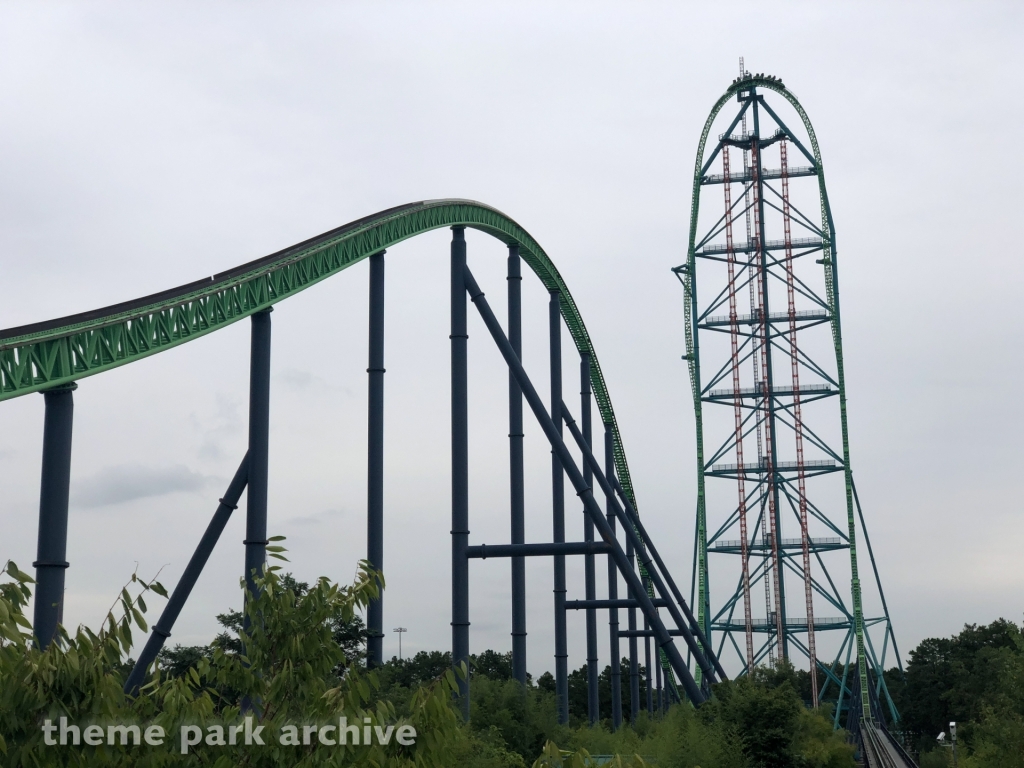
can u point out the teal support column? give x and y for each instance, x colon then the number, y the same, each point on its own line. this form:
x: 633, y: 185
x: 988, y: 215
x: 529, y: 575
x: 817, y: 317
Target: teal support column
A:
x: 460, y: 464
x: 558, y: 514
x: 259, y: 450
x: 51, y: 552
x: 613, y: 584
x: 589, y: 565
x: 375, y: 460
x: 517, y: 500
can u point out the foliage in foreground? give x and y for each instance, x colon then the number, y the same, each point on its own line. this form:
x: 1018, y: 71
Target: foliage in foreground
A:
x: 81, y: 677
x: 760, y: 721
x: 748, y: 723
x: 302, y: 644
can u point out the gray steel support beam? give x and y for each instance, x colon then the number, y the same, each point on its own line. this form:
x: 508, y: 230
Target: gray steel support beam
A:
x: 162, y: 628
x: 558, y: 513
x: 647, y: 633
x: 638, y: 525
x: 258, y: 455
x: 517, y: 498
x: 51, y: 548
x: 375, y: 460
x: 585, y: 493
x: 657, y: 686
x: 631, y: 624
x: 613, y: 587
x: 560, y: 549
x: 580, y: 605
x: 634, y: 659
x: 460, y: 465
x: 590, y: 574
x: 647, y: 663
x: 692, y: 632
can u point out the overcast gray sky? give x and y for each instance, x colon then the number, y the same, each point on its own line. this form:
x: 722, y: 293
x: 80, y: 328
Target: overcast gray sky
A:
x: 146, y: 145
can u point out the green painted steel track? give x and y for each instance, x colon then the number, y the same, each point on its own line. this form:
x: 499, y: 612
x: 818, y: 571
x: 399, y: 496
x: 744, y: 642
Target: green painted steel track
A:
x: 693, y: 360
x: 56, y: 352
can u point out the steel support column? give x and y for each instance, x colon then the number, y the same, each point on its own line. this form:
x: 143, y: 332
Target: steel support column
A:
x: 516, y: 483
x: 558, y: 513
x: 634, y: 661
x: 657, y: 685
x: 460, y: 465
x: 613, y: 585
x: 685, y: 621
x: 375, y: 460
x: 259, y: 448
x: 647, y: 663
x: 584, y: 491
x: 634, y: 665
x: 590, y: 575
x: 51, y: 549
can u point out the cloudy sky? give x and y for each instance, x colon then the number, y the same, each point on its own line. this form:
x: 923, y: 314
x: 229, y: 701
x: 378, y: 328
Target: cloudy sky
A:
x: 146, y: 145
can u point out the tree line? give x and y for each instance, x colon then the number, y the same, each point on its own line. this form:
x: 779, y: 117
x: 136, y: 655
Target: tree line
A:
x: 302, y: 661
x: 974, y: 678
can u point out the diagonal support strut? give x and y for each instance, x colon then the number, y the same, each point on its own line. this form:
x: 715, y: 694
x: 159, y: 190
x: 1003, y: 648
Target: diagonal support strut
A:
x: 641, y: 544
x: 162, y: 629
x: 583, y: 491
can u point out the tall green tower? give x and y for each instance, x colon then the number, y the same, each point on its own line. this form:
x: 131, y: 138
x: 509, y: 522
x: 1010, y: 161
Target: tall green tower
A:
x: 778, y: 522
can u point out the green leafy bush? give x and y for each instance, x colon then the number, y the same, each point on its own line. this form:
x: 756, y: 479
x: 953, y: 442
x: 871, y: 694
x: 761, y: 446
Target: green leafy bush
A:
x: 286, y: 674
x: 300, y: 665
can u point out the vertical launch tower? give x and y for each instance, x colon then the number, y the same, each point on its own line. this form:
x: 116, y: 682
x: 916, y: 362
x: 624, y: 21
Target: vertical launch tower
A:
x: 778, y: 522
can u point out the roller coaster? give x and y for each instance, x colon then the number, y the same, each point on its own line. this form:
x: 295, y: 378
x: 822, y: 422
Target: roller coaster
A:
x: 733, y: 359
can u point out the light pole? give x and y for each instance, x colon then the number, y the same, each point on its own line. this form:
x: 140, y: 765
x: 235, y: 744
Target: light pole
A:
x: 952, y: 736
x: 401, y: 631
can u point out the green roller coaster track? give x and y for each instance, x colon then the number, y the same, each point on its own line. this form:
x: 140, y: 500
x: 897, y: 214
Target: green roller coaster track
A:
x: 56, y: 352
x: 693, y: 362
